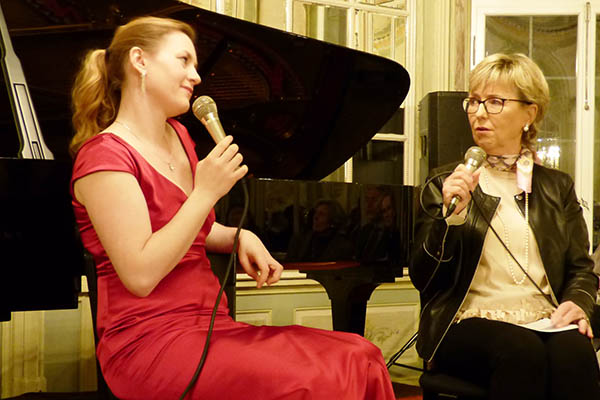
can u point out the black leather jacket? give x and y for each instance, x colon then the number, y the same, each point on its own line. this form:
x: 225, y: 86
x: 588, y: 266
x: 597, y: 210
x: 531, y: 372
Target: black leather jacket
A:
x: 556, y: 220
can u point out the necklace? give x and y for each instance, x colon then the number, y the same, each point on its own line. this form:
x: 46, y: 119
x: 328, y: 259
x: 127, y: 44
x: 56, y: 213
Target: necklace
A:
x: 169, y: 163
x: 509, y: 260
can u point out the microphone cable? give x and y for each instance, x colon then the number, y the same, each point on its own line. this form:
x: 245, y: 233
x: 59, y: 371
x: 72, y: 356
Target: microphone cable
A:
x: 489, y: 224
x: 232, y: 261
x: 434, y: 217
x: 427, y: 183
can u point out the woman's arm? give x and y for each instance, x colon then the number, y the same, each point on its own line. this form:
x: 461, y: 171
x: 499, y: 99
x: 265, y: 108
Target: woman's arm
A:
x: 253, y: 255
x: 433, y: 248
x: 119, y: 213
x: 581, y: 284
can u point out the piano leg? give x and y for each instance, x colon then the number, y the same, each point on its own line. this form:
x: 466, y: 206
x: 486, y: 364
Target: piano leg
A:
x: 349, y: 292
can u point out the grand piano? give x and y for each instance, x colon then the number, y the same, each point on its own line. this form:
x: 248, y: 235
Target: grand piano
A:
x: 297, y: 107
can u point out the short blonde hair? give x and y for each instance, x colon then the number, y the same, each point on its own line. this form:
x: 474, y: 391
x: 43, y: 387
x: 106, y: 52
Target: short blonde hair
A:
x: 520, y: 71
x: 97, y: 89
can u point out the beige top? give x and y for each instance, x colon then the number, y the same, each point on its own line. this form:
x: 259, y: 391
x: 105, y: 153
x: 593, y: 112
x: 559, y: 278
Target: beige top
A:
x: 499, y: 290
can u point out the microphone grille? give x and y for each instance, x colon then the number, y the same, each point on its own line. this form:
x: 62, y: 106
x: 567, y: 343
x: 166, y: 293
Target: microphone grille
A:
x: 475, y: 155
x: 203, y: 106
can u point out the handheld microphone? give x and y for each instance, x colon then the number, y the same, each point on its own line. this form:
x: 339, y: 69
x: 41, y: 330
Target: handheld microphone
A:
x: 473, y: 159
x: 205, y: 109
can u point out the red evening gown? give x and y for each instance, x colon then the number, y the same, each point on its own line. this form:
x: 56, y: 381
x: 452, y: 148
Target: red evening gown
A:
x: 149, y: 347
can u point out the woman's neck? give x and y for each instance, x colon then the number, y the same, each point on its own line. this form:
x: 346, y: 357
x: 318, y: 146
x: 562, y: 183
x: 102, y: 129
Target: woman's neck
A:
x: 142, y: 118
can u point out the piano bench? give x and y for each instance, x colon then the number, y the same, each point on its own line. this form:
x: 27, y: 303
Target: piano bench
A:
x: 436, y: 386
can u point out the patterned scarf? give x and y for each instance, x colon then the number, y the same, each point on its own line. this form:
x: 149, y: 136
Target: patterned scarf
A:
x: 522, y: 163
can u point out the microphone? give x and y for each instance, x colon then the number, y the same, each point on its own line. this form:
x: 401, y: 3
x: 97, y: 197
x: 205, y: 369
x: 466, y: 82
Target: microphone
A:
x: 473, y: 159
x: 205, y: 109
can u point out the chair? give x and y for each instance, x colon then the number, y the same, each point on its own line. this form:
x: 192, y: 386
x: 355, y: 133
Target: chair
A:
x: 437, y: 385
x: 219, y: 264
x: 102, y: 391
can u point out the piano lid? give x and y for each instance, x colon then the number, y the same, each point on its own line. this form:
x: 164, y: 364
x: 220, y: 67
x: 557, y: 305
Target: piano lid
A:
x: 298, y: 107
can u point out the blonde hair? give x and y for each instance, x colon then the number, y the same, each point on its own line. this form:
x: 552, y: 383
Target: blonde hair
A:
x: 520, y: 71
x: 96, y: 92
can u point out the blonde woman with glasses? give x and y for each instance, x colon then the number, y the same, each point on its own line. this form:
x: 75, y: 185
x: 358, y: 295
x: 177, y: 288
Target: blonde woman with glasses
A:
x: 513, y: 252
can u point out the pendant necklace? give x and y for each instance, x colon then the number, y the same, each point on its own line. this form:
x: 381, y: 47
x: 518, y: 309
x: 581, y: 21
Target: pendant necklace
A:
x: 169, y: 163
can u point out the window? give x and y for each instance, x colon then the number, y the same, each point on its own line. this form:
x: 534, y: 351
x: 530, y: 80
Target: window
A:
x: 558, y: 36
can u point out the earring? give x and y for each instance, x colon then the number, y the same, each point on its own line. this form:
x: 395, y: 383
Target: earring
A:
x: 526, y: 128
x: 143, y: 83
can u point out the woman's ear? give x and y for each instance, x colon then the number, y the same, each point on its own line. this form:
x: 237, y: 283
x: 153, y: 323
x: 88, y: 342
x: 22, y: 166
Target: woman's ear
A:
x: 137, y: 59
x: 532, y: 110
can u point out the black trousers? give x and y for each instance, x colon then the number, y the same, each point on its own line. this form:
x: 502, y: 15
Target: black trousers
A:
x: 518, y: 363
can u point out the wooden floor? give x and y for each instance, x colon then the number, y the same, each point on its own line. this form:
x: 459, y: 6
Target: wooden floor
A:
x: 406, y: 383
x: 407, y: 392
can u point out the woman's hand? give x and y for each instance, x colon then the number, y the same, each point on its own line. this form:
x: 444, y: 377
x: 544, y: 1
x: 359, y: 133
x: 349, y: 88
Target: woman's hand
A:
x: 257, y: 261
x: 220, y: 170
x: 569, y: 312
x: 460, y: 183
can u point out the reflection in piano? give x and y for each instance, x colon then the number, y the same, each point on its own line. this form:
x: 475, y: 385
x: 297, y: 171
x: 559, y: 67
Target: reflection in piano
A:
x: 297, y: 107
x: 310, y: 221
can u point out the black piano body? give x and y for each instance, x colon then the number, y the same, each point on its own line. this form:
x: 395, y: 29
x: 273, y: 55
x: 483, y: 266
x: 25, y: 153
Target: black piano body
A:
x: 297, y: 107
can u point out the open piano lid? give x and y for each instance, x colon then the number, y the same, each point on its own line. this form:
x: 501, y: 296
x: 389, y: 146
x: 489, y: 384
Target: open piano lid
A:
x: 298, y: 107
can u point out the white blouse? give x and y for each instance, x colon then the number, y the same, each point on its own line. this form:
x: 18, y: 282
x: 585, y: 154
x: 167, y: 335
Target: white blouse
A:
x: 499, y: 289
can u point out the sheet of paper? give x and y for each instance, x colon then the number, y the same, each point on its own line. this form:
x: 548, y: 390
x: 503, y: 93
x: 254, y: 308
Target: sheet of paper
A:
x: 544, y: 325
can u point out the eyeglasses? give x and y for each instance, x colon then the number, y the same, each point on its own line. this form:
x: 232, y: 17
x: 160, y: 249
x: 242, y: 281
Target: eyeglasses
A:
x: 492, y: 105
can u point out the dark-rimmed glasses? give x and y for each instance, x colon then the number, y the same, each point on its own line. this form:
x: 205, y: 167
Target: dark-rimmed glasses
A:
x: 492, y: 105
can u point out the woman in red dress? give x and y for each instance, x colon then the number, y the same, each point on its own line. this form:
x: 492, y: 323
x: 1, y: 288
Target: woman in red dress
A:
x: 144, y: 206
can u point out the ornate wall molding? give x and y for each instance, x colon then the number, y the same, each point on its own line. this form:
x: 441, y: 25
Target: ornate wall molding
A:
x: 459, y: 57
x: 23, y: 353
